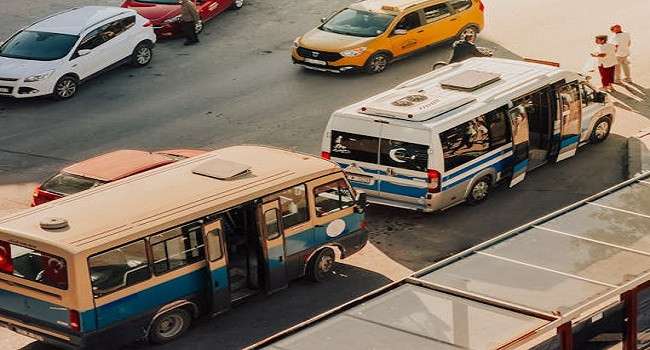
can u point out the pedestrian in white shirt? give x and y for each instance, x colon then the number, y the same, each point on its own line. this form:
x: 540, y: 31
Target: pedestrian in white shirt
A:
x: 606, y: 54
x: 622, y: 41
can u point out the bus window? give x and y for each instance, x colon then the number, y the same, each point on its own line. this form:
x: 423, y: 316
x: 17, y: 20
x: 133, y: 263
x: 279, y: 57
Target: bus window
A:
x: 272, y: 225
x: 332, y: 197
x: 465, y: 142
x: 497, y: 124
x: 214, y: 244
x: 177, y: 248
x: 119, y: 268
x: 293, y: 202
x: 33, y: 265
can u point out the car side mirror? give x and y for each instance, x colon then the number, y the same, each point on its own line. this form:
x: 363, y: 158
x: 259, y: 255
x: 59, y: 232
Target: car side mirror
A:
x: 362, y: 201
x: 323, y: 20
x: 84, y: 52
x: 400, y: 31
x: 599, y: 97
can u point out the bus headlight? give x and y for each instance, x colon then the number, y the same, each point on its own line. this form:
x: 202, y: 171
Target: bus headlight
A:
x: 354, y: 52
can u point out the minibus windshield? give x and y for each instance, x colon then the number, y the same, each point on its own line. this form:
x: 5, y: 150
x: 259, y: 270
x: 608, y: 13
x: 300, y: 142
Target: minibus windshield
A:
x: 33, y: 265
x: 358, y: 23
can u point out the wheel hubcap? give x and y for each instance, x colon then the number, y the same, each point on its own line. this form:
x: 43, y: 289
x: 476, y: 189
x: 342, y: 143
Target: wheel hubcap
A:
x: 144, y: 55
x: 480, y: 191
x: 66, y: 88
x: 170, y: 326
x: 379, y: 64
x: 239, y: 3
x: 325, y: 264
x: 601, y: 130
x: 469, y: 31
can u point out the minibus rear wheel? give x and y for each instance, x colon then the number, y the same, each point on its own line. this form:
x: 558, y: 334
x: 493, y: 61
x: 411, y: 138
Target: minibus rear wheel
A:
x: 601, y: 130
x: 169, y: 326
x: 479, y: 191
x: 321, y: 265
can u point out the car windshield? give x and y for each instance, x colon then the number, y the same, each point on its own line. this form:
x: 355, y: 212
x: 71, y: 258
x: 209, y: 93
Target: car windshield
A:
x: 66, y: 184
x: 358, y: 23
x: 38, y: 46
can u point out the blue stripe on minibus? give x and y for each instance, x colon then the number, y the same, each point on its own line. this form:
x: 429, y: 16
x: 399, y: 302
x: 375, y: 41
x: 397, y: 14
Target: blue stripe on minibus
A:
x: 477, y: 164
x: 569, y: 141
x: 498, y: 167
x: 31, y: 307
x: 402, y: 190
x: 520, y: 166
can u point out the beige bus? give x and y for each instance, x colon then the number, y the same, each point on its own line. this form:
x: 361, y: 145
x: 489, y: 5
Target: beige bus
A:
x: 143, y: 256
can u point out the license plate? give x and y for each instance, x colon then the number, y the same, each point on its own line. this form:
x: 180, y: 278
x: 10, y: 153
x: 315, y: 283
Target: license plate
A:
x: 360, y: 178
x: 309, y: 60
x: 29, y: 334
x: 5, y: 89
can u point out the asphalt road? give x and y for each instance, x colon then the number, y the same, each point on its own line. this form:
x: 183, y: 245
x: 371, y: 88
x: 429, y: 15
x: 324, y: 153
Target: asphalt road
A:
x: 238, y: 86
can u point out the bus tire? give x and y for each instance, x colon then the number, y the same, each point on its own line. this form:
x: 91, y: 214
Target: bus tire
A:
x: 170, y: 326
x: 479, y: 191
x: 601, y: 130
x: 320, y: 267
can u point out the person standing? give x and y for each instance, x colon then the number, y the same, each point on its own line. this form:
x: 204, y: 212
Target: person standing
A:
x: 622, y: 41
x: 606, y: 54
x: 465, y: 48
x: 189, y: 19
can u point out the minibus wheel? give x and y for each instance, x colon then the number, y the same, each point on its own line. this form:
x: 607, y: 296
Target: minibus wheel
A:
x: 601, y: 130
x: 321, y: 265
x: 479, y: 191
x: 169, y: 326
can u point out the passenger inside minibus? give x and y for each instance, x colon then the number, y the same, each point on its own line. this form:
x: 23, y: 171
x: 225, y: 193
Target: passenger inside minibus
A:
x: 538, y: 108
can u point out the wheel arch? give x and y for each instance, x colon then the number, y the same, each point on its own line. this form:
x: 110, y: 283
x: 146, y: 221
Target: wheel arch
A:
x: 178, y: 304
x: 334, y: 246
x: 490, y: 172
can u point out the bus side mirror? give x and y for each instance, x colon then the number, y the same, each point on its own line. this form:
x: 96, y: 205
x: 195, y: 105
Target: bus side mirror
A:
x: 599, y: 97
x: 362, y: 201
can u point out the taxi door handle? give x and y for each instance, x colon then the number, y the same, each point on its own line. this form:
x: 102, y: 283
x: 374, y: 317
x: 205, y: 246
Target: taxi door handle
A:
x: 421, y: 31
x: 453, y: 19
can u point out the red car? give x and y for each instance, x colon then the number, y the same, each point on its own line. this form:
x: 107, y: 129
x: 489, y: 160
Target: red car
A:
x: 103, y: 169
x: 165, y: 14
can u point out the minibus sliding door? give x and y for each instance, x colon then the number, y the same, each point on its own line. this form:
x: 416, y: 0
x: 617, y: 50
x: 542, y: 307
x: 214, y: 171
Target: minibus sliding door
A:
x: 217, y: 262
x: 519, y: 126
x: 273, y: 243
x: 570, y: 113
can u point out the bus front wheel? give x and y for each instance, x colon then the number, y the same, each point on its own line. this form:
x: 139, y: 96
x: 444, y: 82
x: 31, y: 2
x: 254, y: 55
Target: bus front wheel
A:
x: 321, y: 265
x: 169, y: 326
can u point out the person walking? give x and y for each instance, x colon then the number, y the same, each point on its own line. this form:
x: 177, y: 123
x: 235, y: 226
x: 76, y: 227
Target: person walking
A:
x: 622, y: 42
x: 606, y: 54
x: 465, y: 48
x: 189, y: 19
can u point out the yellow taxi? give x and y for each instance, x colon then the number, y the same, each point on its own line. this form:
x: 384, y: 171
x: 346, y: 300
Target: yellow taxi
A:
x: 370, y: 34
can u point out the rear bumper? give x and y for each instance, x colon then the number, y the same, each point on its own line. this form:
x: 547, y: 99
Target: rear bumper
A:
x: 58, y: 339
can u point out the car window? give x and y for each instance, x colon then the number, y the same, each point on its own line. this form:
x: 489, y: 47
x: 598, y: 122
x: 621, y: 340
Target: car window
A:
x: 460, y: 5
x: 436, y: 12
x: 587, y: 94
x: 409, y: 21
x: 66, y: 184
x: 106, y: 32
x: 38, y: 46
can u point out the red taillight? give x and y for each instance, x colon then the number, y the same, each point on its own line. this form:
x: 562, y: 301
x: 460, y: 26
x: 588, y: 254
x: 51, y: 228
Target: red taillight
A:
x: 39, y: 197
x: 433, y: 178
x: 147, y: 24
x: 75, y: 321
x: 6, y: 265
x: 325, y: 155
x: 363, y: 225
x: 481, y: 6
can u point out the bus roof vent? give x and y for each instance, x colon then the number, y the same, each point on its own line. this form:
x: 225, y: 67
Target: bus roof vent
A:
x: 221, y: 169
x: 470, y: 80
x: 54, y: 223
x: 415, y: 106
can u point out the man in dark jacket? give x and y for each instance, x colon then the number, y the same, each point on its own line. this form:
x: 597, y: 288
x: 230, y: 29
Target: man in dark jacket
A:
x: 465, y: 48
x: 189, y: 19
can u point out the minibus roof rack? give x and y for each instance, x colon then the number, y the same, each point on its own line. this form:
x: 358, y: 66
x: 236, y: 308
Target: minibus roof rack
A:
x: 416, y: 106
x: 470, y: 80
x: 221, y: 169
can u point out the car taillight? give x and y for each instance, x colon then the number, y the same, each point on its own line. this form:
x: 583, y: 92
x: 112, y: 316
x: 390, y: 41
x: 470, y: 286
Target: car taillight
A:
x: 147, y: 24
x: 6, y: 264
x: 325, y: 155
x: 433, y: 178
x: 74, y: 320
x: 363, y: 225
x: 481, y: 6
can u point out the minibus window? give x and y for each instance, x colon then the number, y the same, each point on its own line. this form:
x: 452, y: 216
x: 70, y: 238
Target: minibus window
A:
x: 33, y: 265
x: 465, y: 142
x: 293, y: 202
x: 177, y: 248
x: 119, y: 268
x: 497, y: 123
x: 272, y: 226
x: 405, y: 155
x: 354, y: 147
x: 332, y: 197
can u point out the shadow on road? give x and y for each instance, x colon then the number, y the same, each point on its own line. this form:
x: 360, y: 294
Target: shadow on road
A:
x: 266, y: 315
x: 632, y: 97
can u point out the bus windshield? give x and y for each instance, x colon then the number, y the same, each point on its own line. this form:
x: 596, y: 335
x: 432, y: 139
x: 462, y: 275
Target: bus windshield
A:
x: 33, y: 265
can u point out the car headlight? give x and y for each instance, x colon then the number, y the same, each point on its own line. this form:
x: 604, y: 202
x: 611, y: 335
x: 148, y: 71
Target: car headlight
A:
x: 173, y: 19
x: 40, y: 76
x: 354, y: 52
x: 296, y: 42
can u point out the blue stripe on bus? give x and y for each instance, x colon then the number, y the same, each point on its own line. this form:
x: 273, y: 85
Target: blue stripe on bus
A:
x: 477, y: 164
x: 520, y: 166
x: 40, y: 310
x: 498, y: 167
x: 402, y: 190
x: 569, y: 141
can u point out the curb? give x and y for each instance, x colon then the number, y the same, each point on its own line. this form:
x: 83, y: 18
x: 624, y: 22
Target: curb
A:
x: 638, y: 153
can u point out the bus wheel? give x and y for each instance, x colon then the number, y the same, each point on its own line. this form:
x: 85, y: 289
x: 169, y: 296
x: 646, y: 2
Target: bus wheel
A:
x: 479, y: 191
x: 321, y: 265
x: 601, y: 130
x: 169, y: 326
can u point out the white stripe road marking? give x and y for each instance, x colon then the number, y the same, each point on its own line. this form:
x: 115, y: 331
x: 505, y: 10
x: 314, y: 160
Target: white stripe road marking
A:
x: 619, y: 209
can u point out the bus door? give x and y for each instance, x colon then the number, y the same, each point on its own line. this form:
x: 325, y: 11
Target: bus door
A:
x: 570, y: 111
x: 519, y: 126
x: 274, y: 249
x: 217, y: 266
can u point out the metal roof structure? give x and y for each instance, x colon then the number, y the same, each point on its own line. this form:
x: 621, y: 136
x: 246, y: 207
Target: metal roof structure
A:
x: 506, y: 293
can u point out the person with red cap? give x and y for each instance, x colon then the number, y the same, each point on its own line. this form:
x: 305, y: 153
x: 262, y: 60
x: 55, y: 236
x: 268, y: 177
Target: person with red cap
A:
x: 622, y: 41
x: 606, y: 54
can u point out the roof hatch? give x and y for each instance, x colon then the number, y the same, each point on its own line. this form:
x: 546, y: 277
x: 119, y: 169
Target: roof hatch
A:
x: 470, y: 80
x: 221, y: 169
x: 415, y: 105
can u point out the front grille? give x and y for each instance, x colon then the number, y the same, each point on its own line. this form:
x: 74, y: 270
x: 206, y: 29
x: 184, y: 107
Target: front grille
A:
x: 8, y: 79
x: 319, y: 55
x: 6, y: 89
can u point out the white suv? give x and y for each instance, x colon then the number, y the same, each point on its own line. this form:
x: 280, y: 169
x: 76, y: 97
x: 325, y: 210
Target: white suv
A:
x: 54, y: 55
